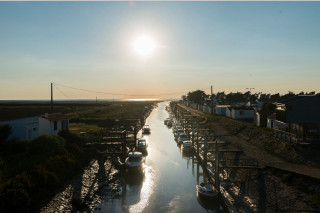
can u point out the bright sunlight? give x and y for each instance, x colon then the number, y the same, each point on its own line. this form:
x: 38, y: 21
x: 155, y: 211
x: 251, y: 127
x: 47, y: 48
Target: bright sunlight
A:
x: 144, y: 45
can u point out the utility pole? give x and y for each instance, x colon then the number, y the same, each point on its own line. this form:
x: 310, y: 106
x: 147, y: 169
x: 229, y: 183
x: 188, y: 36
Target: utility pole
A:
x: 211, y: 101
x: 96, y: 100
x: 51, y: 98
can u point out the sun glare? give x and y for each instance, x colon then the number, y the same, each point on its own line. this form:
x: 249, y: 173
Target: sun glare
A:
x: 144, y: 45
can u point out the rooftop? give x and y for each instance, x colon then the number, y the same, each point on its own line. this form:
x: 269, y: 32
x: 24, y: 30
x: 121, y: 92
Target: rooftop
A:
x: 54, y: 116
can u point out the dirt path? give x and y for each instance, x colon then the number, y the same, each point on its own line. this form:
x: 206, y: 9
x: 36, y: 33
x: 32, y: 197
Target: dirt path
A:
x: 264, y: 158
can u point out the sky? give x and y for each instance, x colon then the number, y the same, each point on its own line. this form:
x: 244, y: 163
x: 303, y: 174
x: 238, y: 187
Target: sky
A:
x: 273, y: 47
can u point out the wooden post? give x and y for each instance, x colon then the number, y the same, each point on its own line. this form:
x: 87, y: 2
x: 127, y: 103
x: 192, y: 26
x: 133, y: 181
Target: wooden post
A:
x: 51, y: 98
x: 192, y: 135
x: 198, y: 140
x: 217, y: 178
x: 205, y: 151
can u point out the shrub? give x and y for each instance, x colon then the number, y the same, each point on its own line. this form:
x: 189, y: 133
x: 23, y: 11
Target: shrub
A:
x: 14, y: 194
x: 71, y: 138
x: 16, y: 146
x: 48, y: 145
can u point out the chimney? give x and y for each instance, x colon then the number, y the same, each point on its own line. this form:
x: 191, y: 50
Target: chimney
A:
x: 46, y: 115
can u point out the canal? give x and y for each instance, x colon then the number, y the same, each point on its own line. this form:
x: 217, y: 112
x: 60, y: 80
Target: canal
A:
x: 170, y: 178
x: 168, y: 183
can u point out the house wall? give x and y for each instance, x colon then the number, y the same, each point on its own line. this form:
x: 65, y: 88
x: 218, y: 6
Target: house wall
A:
x: 242, y: 114
x: 44, y: 126
x: 221, y: 110
x: 280, y: 125
x: 304, y: 111
x: 257, y: 119
x: 59, y: 127
x: 27, y: 128
x: 228, y: 113
x: 207, y: 109
x: 270, y: 123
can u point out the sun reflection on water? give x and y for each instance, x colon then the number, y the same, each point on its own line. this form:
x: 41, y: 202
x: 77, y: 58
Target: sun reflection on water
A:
x: 145, y: 192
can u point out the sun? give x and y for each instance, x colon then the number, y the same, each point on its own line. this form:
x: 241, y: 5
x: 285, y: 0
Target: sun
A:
x: 144, y: 45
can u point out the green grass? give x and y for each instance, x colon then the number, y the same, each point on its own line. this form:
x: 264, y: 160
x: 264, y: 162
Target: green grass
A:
x: 83, y: 115
x: 82, y: 127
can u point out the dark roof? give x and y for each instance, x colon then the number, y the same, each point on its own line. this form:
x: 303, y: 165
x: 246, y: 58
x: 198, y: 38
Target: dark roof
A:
x: 55, y: 116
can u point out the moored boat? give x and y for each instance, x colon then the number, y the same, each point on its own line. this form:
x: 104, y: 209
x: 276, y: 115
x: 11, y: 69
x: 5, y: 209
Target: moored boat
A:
x: 207, y: 191
x: 146, y: 129
x: 182, y: 137
x: 142, y: 145
x: 134, y: 161
x: 187, y: 146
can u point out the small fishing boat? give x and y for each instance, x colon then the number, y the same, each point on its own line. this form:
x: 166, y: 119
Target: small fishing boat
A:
x: 182, y: 137
x: 134, y: 161
x: 146, y: 129
x: 177, y: 133
x: 142, y: 145
x: 187, y: 146
x: 166, y: 121
x: 206, y: 191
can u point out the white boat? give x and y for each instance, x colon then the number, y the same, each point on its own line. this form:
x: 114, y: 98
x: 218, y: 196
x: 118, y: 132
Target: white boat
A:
x: 182, y: 137
x: 134, y: 161
x: 166, y: 121
x: 146, y: 129
x: 207, y: 191
x: 178, y: 132
x: 142, y: 145
x: 187, y: 146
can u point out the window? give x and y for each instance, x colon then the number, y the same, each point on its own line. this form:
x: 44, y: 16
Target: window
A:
x: 241, y: 112
x: 64, y: 124
x: 55, y: 125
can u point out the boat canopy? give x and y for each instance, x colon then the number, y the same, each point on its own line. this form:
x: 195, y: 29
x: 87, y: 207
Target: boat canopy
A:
x: 142, y: 142
x: 135, y: 154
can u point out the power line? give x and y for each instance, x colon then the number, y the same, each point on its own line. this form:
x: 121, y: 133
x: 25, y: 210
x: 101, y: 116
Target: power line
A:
x: 122, y: 94
x: 61, y: 91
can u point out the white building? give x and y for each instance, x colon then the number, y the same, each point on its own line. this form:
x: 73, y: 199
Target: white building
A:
x: 240, y: 112
x: 222, y: 109
x: 30, y: 128
x: 51, y: 124
x: 26, y: 128
x: 228, y: 112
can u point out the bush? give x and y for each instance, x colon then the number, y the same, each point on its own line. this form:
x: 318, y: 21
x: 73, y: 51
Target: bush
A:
x: 16, y: 146
x: 5, y: 131
x: 71, y: 138
x: 287, y: 177
x: 14, y: 194
x: 48, y: 145
x: 64, y: 166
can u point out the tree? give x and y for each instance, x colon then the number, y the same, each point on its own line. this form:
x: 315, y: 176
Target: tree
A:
x: 197, y: 96
x: 311, y: 93
x: 5, y: 131
x: 184, y: 98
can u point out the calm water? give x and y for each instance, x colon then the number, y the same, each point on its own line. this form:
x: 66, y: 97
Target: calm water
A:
x: 169, y: 181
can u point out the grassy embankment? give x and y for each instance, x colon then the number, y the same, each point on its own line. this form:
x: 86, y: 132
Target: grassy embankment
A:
x: 32, y: 171
x: 262, y: 137
x: 85, y: 116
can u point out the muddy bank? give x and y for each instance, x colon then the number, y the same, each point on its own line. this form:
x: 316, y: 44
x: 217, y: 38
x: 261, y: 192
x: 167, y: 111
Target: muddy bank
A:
x: 101, y: 178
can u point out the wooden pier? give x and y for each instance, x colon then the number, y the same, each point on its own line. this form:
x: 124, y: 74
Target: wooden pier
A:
x: 209, y: 149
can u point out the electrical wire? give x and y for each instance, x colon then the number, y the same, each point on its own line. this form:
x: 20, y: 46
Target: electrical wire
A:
x: 61, y: 91
x: 122, y: 94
